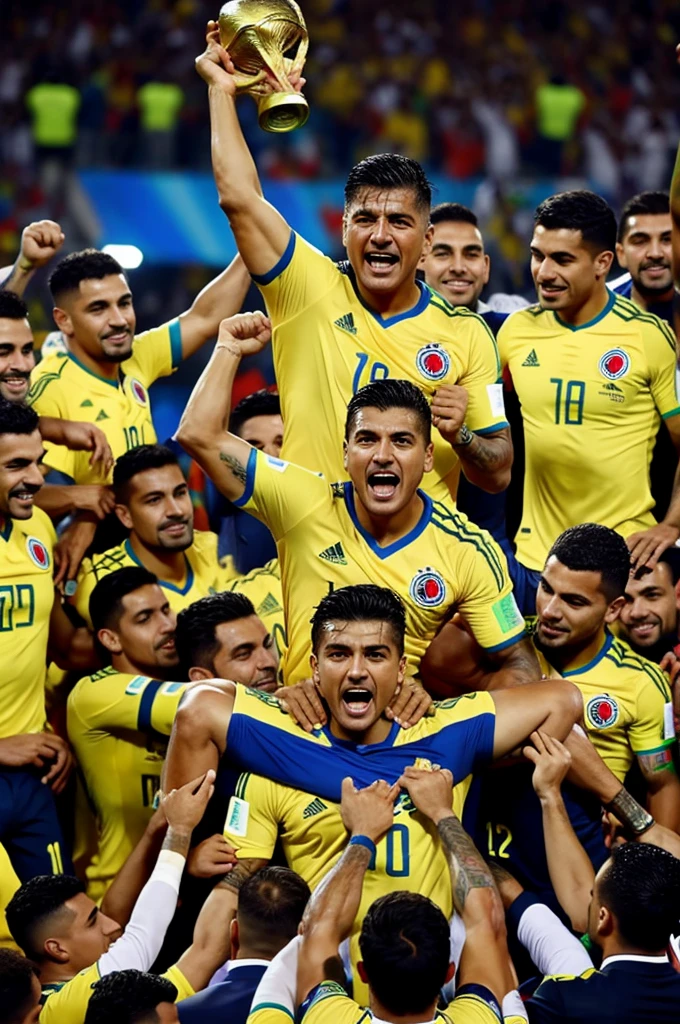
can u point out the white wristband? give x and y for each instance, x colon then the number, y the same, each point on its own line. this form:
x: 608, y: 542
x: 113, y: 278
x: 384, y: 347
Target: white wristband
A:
x: 169, y: 869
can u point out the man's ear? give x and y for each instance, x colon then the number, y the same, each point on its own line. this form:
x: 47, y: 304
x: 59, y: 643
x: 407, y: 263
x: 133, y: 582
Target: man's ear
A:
x: 603, y: 262
x: 109, y: 639
x: 362, y: 972
x: 605, y: 922
x: 614, y: 609
x: 314, y: 664
x: 197, y: 674
x: 621, y: 256
x: 450, y: 973
x: 234, y: 939
x: 123, y: 513
x: 55, y: 952
x: 63, y: 321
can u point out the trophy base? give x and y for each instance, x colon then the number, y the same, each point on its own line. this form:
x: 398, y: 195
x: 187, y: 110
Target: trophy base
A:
x: 282, y: 111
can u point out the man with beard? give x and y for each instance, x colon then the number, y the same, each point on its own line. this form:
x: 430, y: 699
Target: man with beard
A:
x: 153, y: 502
x: 650, y: 618
x: 643, y: 248
x: 105, y: 371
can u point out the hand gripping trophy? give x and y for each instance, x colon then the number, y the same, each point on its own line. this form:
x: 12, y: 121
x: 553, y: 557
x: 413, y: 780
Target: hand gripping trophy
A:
x: 268, y: 39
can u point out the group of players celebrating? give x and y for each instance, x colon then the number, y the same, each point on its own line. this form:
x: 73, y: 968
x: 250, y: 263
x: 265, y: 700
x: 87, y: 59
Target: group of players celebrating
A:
x: 220, y: 721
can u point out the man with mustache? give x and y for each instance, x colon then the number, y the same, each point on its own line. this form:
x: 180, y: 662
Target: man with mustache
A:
x: 643, y: 249
x: 104, y: 373
x: 153, y: 502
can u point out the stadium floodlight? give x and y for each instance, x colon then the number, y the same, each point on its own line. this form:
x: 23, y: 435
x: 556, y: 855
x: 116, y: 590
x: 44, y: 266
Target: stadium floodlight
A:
x: 129, y: 256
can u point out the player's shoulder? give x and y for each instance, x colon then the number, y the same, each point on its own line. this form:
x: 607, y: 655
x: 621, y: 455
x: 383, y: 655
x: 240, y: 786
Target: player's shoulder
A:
x: 107, y: 561
x: 252, y: 787
x: 453, y: 711
x: 262, y: 575
x: 461, y: 315
x: 67, y: 1003
x: 47, y: 375
x: 624, y: 659
x: 203, y: 547
x: 634, y: 319
x: 521, y: 320
x: 104, y: 681
x: 329, y: 1002
x: 41, y: 525
x: 474, y: 544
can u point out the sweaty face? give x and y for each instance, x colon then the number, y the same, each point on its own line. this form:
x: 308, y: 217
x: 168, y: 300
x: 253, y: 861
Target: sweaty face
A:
x: 264, y: 433
x: 145, y: 633
x: 20, y: 478
x: 457, y: 266
x: 159, y: 509
x: 570, y: 606
x: 386, y: 456
x: 564, y: 270
x: 357, y: 669
x: 100, y: 318
x: 645, y: 252
x: 16, y: 358
x: 89, y: 933
x: 247, y: 654
x: 651, y: 608
x: 385, y: 234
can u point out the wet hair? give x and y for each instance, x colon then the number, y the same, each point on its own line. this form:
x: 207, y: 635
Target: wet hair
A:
x: 17, y: 418
x: 591, y: 547
x: 641, y: 888
x: 196, y: 633
x: 406, y: 948
x: 16, y: 986
x: 387, y: 171
x: 580, y: 210
x: 129, y: 997
x: 106, y: 600
x: 12, y: 307
x: 454, y: 212
x: 270, y: 907
x: 364, y: 602
x: 653, y: 202
x: 390, y: 394
x: 86, y: 265
x: 139, y: 460
x: 260, y: 403
x: 34, y: 903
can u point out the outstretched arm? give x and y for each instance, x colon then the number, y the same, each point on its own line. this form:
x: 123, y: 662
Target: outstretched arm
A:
x: 199, y: 733
x: 220, y: 298
x: 40, y: 241
x: 553, y: 706
x: 261, y: 233
x: 201, y: 432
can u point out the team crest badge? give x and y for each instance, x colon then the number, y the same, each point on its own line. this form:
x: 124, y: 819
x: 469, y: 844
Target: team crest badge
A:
x: 38, y: 553
x: 427, y: 588
x: 138, y: 391
x: 614, y: 364
x: 433, y: 361
x: 602, y: 711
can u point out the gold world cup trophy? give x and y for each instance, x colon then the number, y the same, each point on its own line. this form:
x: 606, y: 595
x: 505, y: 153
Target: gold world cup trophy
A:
x: 259, y: 35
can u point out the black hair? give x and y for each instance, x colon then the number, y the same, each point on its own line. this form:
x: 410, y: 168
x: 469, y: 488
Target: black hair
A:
x: 260, y: 403
x: 653, y: 202
x: 106, y: 600
x: 270, y: 907
x: 33, y: 903
x: 455, y: 212
x: 195, y: 634
x: 17, y: 418
x: 129, y: 997
x: 80, y: 266
x: 139, y: 460
x: 592, y: 547
x: 390, y: 394
x: 580, y: 210
x: 16, y: 986
x: 671, y: 558
x: 12, y: 307
x: 641, y: 888
x: 363, y: 602
x: 406, y: 949
x: 386, y: 171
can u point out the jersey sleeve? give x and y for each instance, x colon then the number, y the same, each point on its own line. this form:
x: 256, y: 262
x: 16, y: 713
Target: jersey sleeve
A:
x: 486, y: 600
x: 662, y: 360
x: 252, y: 822
x: 68, y: 1004
x: 184, y: 989
x: 87, y: 580
x: 328, y: 1003
x: 117, y: 702
x: 302, y: 276
x: 156, y: 353
x: 482, y: 380
x: 652, y: 731
x: 280, y: 493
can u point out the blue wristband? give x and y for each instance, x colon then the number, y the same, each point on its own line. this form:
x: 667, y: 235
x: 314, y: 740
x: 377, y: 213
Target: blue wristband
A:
x: 363, y: 841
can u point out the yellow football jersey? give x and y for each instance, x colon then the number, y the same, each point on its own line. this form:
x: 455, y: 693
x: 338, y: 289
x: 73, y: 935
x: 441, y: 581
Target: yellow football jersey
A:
x: 592, y: 400
x: 204, y: 574
x: 628, y: 709
x: 26, y: 599
x: 66, y: 1002
x: 263, y: 588
x: 444, y: 563
x: 61, y: 386
x: 118, y: 725
x: 327, y: 344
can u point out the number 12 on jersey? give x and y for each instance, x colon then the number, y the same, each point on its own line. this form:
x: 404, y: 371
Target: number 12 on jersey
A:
x: 569, y: 398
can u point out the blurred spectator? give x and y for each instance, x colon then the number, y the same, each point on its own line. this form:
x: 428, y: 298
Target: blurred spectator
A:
x: 54, y: 106
x: 558, y: 108
x: 159, y: 105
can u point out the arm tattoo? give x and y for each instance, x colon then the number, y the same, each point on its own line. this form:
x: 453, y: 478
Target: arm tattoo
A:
x: 468, y: 870
x: 520, y: 661
x: 240, y: 873
x: 235, y: 465
x: 177, y: 841
x: 487, y: 453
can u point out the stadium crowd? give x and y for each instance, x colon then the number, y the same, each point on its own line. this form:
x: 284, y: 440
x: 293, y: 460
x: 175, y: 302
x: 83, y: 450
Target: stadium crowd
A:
x: 296, y: 723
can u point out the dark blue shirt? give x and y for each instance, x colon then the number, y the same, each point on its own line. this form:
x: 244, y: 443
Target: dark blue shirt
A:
x: 227, y: 1002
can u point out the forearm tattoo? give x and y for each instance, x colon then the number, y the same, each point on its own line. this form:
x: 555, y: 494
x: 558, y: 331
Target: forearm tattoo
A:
x: 235, y: 465
x: 177, y: 841
x: 468, y: 869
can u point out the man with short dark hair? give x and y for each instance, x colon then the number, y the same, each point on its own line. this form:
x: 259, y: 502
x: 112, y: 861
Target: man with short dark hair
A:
x: 643, y: 248
x: 338, y: 327
x: 154, y: 504
x: 595, y: 376
x: 104, y: 372
x: 221, y: 637
x: 633, y: 914
x: 270, y: 907
x: 132, y: 997
x: 19, y: 989
x: 650, y: 619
